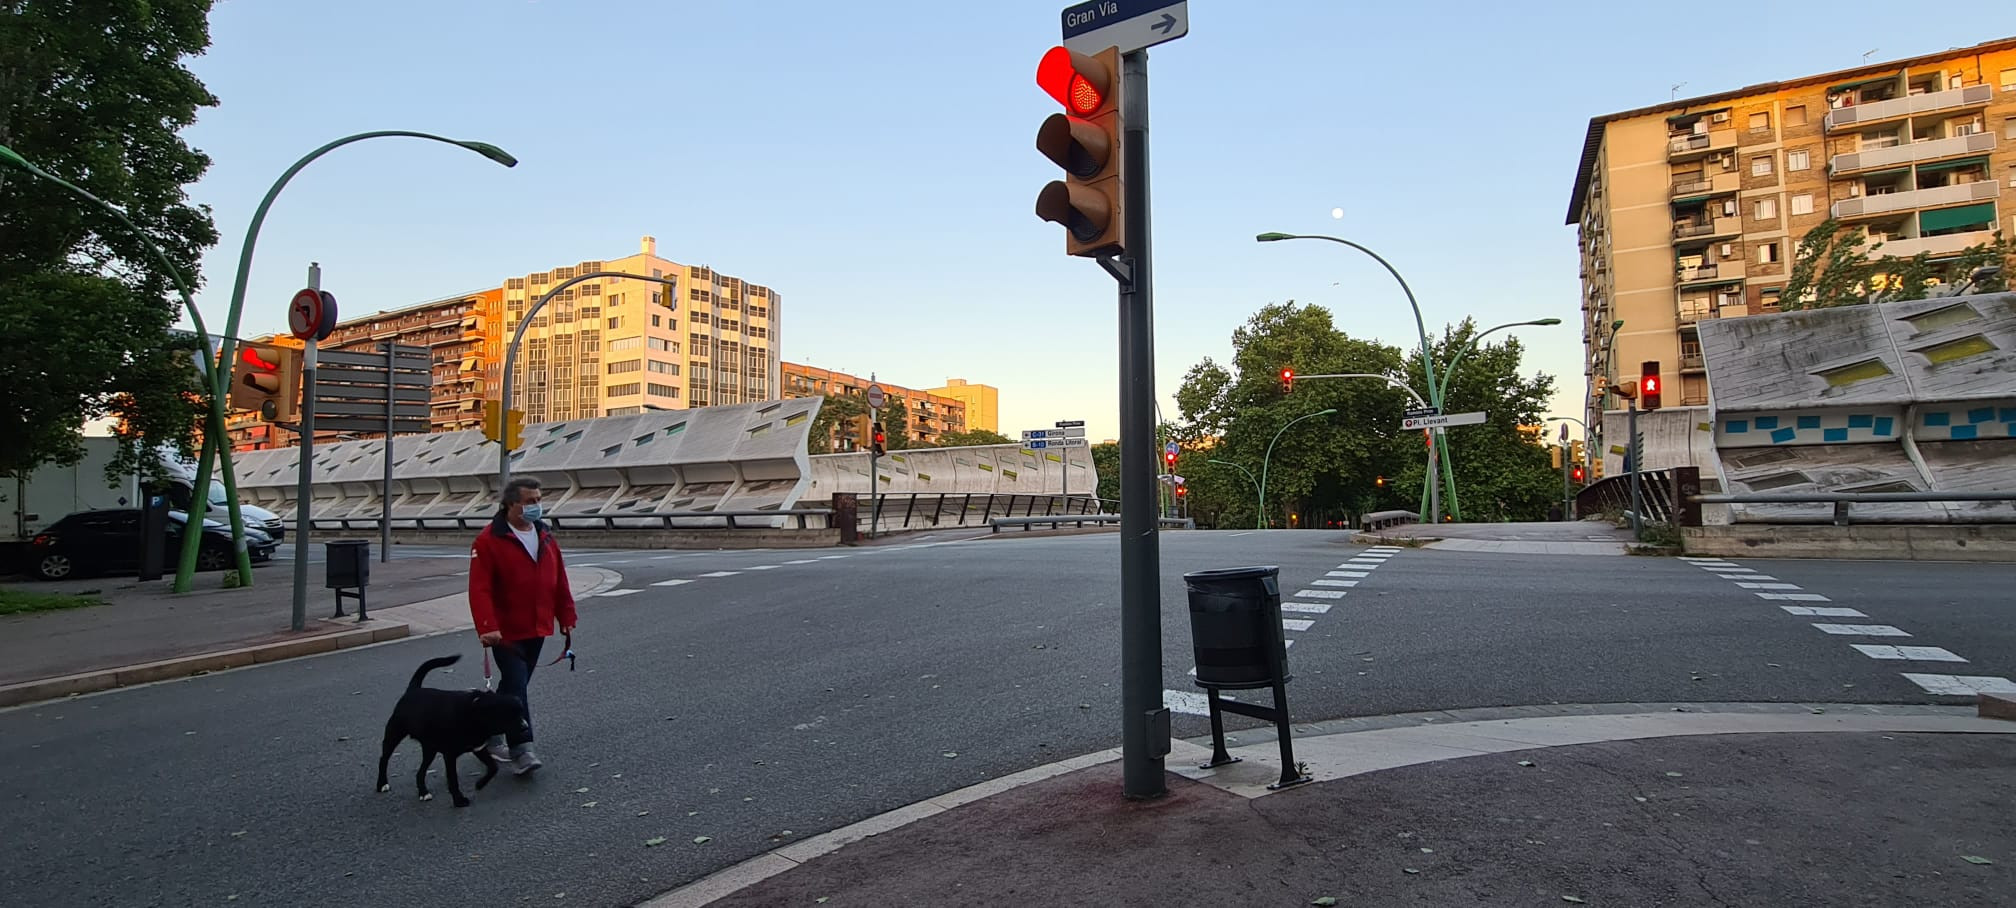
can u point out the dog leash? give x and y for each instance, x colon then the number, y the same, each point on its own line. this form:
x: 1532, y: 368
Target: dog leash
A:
x: 568, y: 654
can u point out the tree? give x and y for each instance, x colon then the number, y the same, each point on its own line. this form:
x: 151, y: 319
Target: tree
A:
x: 835, y: 409
x: 1106, y: 460
x: 95, y: 92
x: 1835, y: 266
x: 971, y: 438
x: 896, y: 424
x: 1500, y: 473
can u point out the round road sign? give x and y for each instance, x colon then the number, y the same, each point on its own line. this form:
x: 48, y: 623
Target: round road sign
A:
x: 876, y: 398
x: 311, y: 314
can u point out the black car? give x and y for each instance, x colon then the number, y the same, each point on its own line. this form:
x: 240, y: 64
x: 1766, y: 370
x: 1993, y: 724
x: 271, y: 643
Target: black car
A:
x: 108, y: 542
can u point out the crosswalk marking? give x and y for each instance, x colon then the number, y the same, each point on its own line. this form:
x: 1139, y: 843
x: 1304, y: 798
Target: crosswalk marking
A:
x: 1962, y: 685
x: 1333, y: 583
x: 679, y: 582
x: 1795, y: 597
x: 720, y: 573
x: 1863, y: 630
x: 1768, y: 586
x: 1296, y: 624
x: 1823, y: 612
x: 1320, y: 594
x: 1312, y: 608
x: 1348, y: 574
x: 614, y: 593
x: 1906, y: 653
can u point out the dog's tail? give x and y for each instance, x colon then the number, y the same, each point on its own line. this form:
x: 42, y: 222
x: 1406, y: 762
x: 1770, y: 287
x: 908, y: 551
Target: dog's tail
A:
x: 429, y: 666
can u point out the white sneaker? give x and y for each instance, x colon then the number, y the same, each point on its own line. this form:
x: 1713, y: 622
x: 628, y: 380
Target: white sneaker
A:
x: 497, y: 749
x: 523, y: 761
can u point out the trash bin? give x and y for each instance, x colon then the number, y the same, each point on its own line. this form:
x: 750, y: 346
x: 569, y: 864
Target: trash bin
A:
x: 348, y: 564
x: 1235, y: 627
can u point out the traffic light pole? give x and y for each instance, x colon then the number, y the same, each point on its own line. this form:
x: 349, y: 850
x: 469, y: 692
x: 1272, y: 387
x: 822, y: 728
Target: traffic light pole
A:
x: 304, y: 483
x: 1144, y: 720
x: 1567, y: 488
x: 1637, y: 459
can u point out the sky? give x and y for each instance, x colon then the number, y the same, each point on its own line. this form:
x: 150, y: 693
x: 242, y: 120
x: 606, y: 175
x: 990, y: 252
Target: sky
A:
x: 874, y: 163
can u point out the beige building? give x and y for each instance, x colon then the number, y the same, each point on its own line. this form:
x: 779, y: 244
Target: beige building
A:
x: 928, y: 417
x: 1694, y: 209
x: 983, y: 402
x: 616, y: 346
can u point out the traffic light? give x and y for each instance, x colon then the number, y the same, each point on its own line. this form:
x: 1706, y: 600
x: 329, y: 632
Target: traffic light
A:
x: 1287, y: 381
x: 509, y: 430
x: 1380, y: 482
x: 1575, y: 452
x: 1169, y: 457
x: 1086, y: 142
x: 1557, y: 457
x: 1576, y: 473
x: 1625, y: 389
x: 1649, y: 385
x: 1596, y: 468
x: 266, y: 379
x: 879, y: 438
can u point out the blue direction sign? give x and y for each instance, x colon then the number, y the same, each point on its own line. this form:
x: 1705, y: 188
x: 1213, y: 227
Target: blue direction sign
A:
x: 1127, y: 24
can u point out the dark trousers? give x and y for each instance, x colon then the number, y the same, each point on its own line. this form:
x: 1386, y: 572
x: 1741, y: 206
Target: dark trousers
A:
x: 516, y: 660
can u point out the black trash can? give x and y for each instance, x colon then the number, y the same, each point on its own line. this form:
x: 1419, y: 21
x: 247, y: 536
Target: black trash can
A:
x: 348, y: 564
x: 1235, y: 627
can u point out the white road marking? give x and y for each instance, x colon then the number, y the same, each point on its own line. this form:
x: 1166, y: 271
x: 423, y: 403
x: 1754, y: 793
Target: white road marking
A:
x: 1794, y: 597
x: 1312, y: 608
x: 720, y: 573
x: 1909, y: 653
x: 1186, y: 702
x: 1320, y: 594
x: 1384, y: 548
x: 619, y: 593
x: 672, y: 583
x: 1367, y: 563
x: 1288, y: 642
x: 1746, y: 576
x: 1863, y: 630
x: 804, y: 561
x: 1962, y: 685
x: 764, y: 567
x: 1768, y: 586
x: 663, y: 557
x: 1348, y: 574
x: 1296, y: 624
x: 1823, y: 612
x: 831, y: 557
x: 1247, y: 533
x: 1333, y: 583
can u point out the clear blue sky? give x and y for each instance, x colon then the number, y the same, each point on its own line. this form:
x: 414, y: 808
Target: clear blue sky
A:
x: 873, y: 162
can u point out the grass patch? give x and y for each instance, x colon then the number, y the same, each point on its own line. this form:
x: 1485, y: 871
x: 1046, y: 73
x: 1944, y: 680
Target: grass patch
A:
x: 22, y: 602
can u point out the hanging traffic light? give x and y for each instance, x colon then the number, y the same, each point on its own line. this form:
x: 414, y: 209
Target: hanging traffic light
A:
x: 1086, y: 142
x: 266, y: 379
x: 879, y: 438
x: 1287, y: 381
x: 1649, y: 385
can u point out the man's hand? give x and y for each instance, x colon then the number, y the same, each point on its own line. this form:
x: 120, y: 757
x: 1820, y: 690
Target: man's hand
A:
x: 492, y: 639
x: 566, y: 628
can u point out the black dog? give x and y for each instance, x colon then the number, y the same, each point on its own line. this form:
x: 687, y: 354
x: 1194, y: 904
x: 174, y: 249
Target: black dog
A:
x: 450, y: 723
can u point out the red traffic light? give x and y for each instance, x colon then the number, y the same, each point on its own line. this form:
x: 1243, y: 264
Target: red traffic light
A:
x: 1075, y: 80
x: 1649, y: 385
x: 1577, y: 474
x: 251, y: 357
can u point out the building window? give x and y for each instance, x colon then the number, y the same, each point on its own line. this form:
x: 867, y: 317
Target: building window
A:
x: 1802, y: 203
x: 1767, y: 253
x: 657, y: 322
x: 664, y: 368
x: 1760, y: 122
x: 1798, y: 159
x: 625, y: 343
x: 1767, y: 209
x: 2009, y: 79
x: 699, y: 318
x: 1760, y: 166
x: 2009, y: 128
x: 657, y: 390
x: 615, y: 321
x: 1795, y: 115
x: 628, y: 365
x: 661, y: 344
x: 627, y: 390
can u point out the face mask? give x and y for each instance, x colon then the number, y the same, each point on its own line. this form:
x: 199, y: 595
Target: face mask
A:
x: 533, y: 512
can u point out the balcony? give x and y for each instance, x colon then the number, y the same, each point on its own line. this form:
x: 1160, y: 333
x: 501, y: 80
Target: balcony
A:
x: 1930, y: 102
x: 1912, y: 153
x: 1706, y: 184
x: 1708, y: 229
x: 1692, y: 362
x: 1712, y: 273
x: 1700, y: 145
x: 1949, y: 244
x: 1918, y: 198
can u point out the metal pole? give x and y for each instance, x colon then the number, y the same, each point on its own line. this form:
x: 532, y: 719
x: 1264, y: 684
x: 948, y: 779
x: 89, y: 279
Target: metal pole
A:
x: 304, y: 486
x: 1434, y: 478
x: 1637, y: 500
x: 385, y: 500
x: 874, y: 471
x: 1567, y: 487
x: 1144, y: 732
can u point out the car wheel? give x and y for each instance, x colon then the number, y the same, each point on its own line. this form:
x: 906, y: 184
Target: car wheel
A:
x: 212, y: 559
x: 55, y: 566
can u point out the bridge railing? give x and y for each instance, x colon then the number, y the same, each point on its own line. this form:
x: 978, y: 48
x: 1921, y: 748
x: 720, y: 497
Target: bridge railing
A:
x: 917, y: 510
x: 798, y: 518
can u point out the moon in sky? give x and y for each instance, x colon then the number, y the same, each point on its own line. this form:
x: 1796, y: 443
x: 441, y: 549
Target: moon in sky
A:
x: 1337, y: 214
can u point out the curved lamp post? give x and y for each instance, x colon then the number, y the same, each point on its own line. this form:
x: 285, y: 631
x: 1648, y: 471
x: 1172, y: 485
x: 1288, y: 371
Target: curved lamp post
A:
x: 1270, y: 456
x: 1261, y: 499
x: 222, y: 376
x: 1420, y: 327
x: 1442, y: 393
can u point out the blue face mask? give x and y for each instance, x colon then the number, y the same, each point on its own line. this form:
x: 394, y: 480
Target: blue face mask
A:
x: 533, y: 512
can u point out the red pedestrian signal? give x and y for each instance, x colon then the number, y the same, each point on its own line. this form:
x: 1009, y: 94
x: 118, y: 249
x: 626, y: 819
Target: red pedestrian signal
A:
x: 878, y: 440
x: 1649, y: 385
x: 266, y: 379
x: 1086, y: 143
x: 1577, y: 473
x: 1287, y: 381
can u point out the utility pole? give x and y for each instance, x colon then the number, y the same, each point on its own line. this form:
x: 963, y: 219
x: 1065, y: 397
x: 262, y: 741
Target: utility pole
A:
x: 304, y: 484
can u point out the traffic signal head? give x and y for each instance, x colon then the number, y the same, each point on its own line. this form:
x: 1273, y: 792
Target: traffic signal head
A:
x: 1649, y: 385
x: 1085, y: 141
x: 878, y: 439
x: 1169, y: 457
x: 1287, y: 381
x: 1577, y: 473
x: 1182, y: 491
x: 1380, y: 482
x: 1557, y: 457
x: 266, y: 379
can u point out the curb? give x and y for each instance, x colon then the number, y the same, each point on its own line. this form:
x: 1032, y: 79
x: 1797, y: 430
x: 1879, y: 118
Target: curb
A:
x: 199, y: 664
x: 1407, y: 541
x: 1632, y: 719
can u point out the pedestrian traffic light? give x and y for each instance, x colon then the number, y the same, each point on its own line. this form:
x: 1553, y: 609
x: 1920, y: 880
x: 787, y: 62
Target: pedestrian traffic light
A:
x: 1086, y: 142
x: 1287, y: 381
x: 1577, y: 473
x: 1649, y: 385
x: 1557, y: 457
x: 1169, y: 457
x: 266, y: 379
x: 878, y: 440
x: 505, y: 428
x: 1182, y: 491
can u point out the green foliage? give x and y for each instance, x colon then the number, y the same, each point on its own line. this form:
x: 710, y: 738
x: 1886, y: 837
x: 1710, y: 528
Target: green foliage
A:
x: 21, y: 602
x: 971, y: 438
x: 896, y: 424
x: 1835, y: 266
x: 1106, y: 459
x: 832, y: 411
x: 95, y: 92
x: 1500, y: 474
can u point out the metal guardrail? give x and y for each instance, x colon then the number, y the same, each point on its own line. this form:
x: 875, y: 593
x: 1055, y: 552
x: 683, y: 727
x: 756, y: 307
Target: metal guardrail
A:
x: 1613, y: 493
x: 1843, y: 500
x: 803, y: 517
x: 1079, y: 520
x: 936, y: 509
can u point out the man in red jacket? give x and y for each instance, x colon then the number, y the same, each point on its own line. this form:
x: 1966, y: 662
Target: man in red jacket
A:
x: 517, y: 591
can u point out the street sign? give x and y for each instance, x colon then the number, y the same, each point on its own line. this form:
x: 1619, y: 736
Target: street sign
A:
x: 312, y: 314
x: 1127, y: 24
x: 1413, y: 412
x: 1170, y: 448
x: 1071, y: 424
x: 1040, y: 434
x: 1435, y: 422
x: 1073, y: 431
x: 876, y: 397
x: 1079, y: 442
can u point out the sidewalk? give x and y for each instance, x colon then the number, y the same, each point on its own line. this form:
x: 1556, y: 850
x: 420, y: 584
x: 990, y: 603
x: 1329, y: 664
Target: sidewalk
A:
x: 1771, y: 805
x: 146, y: 633
x: 1567, y: 537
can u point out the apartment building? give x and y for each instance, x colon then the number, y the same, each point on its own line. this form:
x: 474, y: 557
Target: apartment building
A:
x: 929, y: 415
x: 1693, y: 209
x: 617, y: 346
x: 983, y: 402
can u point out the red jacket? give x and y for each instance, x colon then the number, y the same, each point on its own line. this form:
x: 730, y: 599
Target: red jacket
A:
x: 511, y: 593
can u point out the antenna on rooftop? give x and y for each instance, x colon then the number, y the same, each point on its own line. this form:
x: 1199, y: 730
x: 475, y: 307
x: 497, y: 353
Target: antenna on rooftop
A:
x: 1869, y: 53
x: 1676, y: 89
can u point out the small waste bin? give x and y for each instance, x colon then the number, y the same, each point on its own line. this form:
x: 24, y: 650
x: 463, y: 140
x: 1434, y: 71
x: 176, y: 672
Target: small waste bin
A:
x: 1236, y: 635
x: 348, y: 566
x: 1235, y: 627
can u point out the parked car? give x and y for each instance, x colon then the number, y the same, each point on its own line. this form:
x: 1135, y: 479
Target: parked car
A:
x: 108, y: 542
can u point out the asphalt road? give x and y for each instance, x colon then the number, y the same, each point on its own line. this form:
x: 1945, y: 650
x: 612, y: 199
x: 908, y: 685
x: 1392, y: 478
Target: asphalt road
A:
x: 801, y: 690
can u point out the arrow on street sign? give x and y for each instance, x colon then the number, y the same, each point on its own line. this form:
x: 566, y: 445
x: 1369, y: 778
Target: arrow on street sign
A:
x: 1436, y: 422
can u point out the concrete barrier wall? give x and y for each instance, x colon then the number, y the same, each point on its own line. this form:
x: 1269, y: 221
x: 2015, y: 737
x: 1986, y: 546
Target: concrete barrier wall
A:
x: 987, y: 469
x: 1989, y: 543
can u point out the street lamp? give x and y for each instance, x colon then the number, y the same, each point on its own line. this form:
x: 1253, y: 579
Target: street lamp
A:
x: 1442, y: 393
x: 1420, y: 327
x: 1259, y: 498
x: 1270, y: 456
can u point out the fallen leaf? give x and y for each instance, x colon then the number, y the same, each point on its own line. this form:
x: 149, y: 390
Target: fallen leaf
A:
x: 1573, y: 900
x: 590, y: 803
x: 1525, y: 762
x: 820, y: 900
x: 238, y: 833
x: 949, y: 755
x: 1427, y: 851
x: 1639, y: 800
x: 1412, y: 870
x: 1674, y: 775
x: 643, y: 813
x: 1975, y: 859
x: 1326, y: 901
x: 580, y: 791
x: 654, y: 841
x: 702, y: 839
